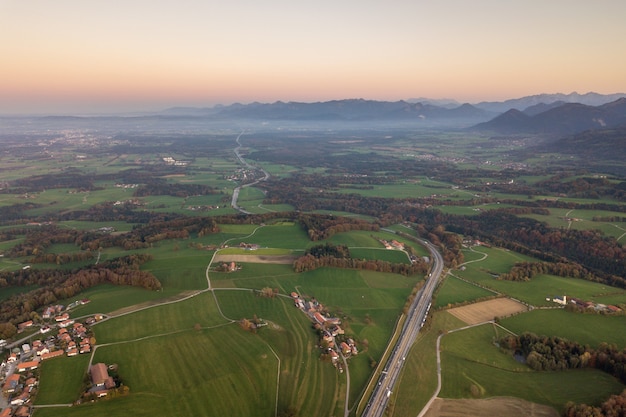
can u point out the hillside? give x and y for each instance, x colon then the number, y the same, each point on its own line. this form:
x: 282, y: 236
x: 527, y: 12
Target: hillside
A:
x: 568, y: 118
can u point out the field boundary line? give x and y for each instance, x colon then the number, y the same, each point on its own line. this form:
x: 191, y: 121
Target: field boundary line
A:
x: 438, y: 347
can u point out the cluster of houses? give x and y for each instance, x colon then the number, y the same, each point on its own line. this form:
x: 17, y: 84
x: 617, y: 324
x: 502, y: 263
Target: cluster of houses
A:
x: 20, y: 370
x: 228, y: 267
x: 584, y: 305
x: 329, y: 328
x: 392, y: 244
x: 171, y: 161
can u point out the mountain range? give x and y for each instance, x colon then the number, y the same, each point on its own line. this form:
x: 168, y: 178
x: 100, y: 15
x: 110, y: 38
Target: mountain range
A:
x: 558, y: 118
x: 336, y: 110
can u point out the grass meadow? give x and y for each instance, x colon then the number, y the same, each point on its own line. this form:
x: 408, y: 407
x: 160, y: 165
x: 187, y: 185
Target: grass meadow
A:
x: 470, y: 358
x: 176, y: 369
x: 587, y: 329
x: 484, y: 271
x: 455, y: 291
x: 62, y: 379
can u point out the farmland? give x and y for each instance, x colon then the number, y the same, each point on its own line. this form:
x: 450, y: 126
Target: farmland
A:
x: 180, y: 347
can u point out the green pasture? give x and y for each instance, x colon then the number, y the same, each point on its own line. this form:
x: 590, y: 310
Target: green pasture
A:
x: 484, y: 270
x: 370, y: 239
x: 418, y: 380
x: 497, y: 260
x: 254, y: 275
x: 403, y: 189
x: 294, y: 340
x: 160, y: 320
x: 255, y: 252
x: 359, y: 239
x: 106, y: 298
x: 61, y: 379
x: 587, y: 329
x: 205, y: 200
x: 275, y: 207
x: 455, y: 291
x: 382, y: 254
x: 583, y: 220
x: 180, y: 269
x: 469, y: 357
x: 177, y: 375
x: 285, y: 235
x: 238, y: 229
x: 367, y: 302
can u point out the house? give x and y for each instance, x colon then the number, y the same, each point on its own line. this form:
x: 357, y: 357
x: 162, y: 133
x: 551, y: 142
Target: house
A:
x: 100, y: 379
x: 11, y: 383
x: 294, y: 295
x: 50, y: 355
x: 30, y: 382
x: 99, y: 374
x: 42, y: 350
x: 27, y: 366
x: 6, y: 412
x: 22, y: 411
x: 44, y: 329
x: 26, y: 348
x: 20, y: 399
x: 334, y: 356
x: 12, y: 358
x: 613, y: 309
x: 49, y: 312
x: 24, y: 325
x: 345, y: 348
x: 560, y: 300
x: 319, y: 318
x: 66, y: 323
x: 62, y: 317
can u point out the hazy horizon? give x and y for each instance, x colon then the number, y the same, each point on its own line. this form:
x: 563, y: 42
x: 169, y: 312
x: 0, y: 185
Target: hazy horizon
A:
x: 75, y: 57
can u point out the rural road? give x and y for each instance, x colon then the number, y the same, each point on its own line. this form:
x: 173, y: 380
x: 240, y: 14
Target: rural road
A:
x: 236, y: 191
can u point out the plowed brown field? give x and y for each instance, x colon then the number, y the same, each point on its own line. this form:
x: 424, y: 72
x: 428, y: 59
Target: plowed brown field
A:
x: 498, y: 406
x: 487, y: 310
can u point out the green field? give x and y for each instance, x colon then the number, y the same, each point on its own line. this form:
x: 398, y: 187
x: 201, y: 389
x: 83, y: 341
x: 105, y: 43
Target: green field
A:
x: 455, y: 291
x: 62, y: 379
x: 587, y: 329
x: 470, y: 358
x: 535, y: 291
x: 162, y: 355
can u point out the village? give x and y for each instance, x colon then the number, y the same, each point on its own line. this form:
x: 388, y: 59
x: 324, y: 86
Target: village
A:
x: 588, y: 306
x: 329, y: 330
x: 20, y: 371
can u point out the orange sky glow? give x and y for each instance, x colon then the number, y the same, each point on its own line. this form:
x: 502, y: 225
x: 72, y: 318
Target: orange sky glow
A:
x: 76, y: 56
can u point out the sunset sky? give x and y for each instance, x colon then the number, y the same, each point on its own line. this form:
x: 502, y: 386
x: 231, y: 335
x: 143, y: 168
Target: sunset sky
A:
x: 88, y: 56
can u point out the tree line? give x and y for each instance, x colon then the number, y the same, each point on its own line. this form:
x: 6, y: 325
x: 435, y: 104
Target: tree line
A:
x: 553, y: 353
x: 329, y: 255
x: 54, y: 285
x: 525, y: 271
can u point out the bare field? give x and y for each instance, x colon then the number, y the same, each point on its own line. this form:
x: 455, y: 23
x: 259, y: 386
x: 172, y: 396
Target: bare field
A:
x: 259, y: 259
x: 498, y: 406
x: 487, y: 310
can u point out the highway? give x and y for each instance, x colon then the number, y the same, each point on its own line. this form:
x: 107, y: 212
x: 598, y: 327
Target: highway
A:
x: 416, y: 317
x: 242, y: 161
